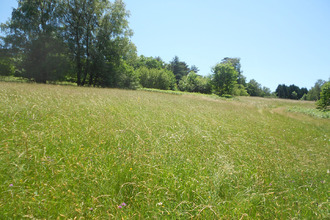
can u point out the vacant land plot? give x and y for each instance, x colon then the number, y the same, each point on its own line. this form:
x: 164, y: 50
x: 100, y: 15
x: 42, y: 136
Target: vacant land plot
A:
x: 69, y: 152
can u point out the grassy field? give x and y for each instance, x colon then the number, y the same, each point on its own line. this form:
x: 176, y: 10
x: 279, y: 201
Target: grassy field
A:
x: 68, y: 152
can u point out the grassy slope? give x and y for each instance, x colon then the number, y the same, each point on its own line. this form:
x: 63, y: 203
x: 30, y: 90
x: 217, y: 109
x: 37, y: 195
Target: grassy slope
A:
x: 81, y: 152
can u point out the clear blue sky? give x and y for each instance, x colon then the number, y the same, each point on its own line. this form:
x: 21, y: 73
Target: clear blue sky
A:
x: 278, y: 41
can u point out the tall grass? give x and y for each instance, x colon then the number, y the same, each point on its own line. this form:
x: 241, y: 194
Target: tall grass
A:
x: 311, y: 111
x: 68, y: 152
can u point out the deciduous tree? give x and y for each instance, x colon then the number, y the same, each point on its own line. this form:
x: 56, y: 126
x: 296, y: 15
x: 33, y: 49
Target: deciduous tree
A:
x: 236, y: 63
x: 314, y: 93
x: 33, y: 37
x: 254, y: 88
x: 224, y: 78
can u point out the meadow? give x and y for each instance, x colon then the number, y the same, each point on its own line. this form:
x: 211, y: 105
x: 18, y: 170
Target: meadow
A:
x: 88, y: 153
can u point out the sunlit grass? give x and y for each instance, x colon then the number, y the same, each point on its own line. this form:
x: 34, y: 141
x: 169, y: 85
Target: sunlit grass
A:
x: 311, y: 111
x: 104, y: 153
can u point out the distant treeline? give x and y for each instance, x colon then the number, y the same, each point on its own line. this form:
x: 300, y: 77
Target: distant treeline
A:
x: 294, y: 92
x: 87, y: 42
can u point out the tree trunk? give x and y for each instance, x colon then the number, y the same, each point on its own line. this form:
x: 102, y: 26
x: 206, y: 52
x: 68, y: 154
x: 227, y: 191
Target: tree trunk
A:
x: 78, y: 59
x: 87, y: 58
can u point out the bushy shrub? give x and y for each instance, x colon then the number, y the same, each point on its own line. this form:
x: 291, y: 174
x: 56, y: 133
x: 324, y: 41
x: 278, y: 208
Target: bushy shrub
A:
x: 195, y: 83
x: 240, y: 90
x: 156, y: 78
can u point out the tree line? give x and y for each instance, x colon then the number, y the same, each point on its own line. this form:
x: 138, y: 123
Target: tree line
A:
x: 320, y: 92
x: 88, y: 42
x: 294, y: 92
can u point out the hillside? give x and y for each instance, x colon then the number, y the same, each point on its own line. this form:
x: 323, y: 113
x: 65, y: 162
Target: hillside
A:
x: 71, y: 152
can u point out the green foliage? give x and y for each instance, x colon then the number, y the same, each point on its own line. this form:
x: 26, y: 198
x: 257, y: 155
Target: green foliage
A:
x: 266, y: 92
x: 240, y: 90
x: 149, y: 62
x: 13, y: 79
x: 156, y: 78
x: 194, y: 69
x: 6, y: 64
x: 52, y: 39
x: 294, y: 95
x: 290, y: 92
x: 97, y: 33
x: 127, y: 77
x: 254, y: 88
x: 324, y: 101
x: 6, y: 69
x: 179, y: 68
x: 33, y: 37
x: 314, y: 93
x: 224, y: 78
x: 304, y: 97
x: 29, y: 21
x: 281, y: 91
x: 44, y: 60
x: 236, y: 63
x: 227, y: 96
x: 195, y: 83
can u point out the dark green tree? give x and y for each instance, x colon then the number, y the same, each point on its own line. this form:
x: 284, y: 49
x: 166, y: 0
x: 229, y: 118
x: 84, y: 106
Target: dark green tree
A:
x: 282, y: 91
x: 179, y: 68
x: 324, y: 102
x: 6, y: 63
x: 293, y: 92
x: 97, y: 34
x: 80, y: 19
x: 254, y: 88
x: 194, y: 69
x: 33, y: 37
x: 44, y: 62
x: 113, y: 44
x: 290, y: 92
